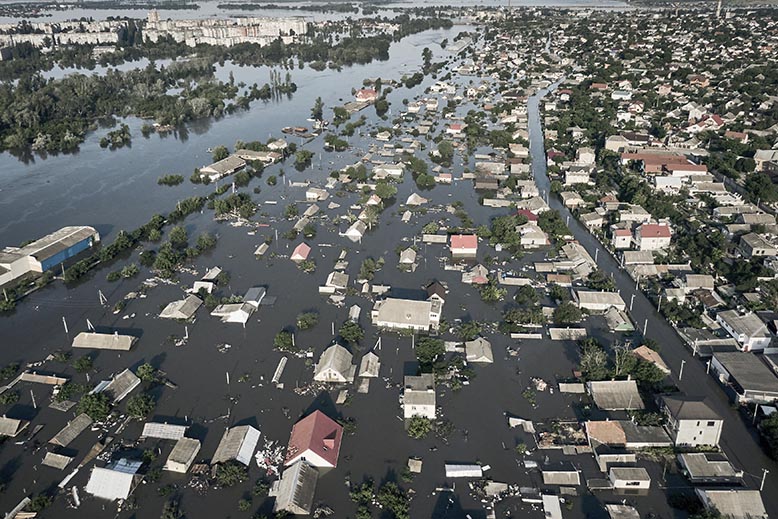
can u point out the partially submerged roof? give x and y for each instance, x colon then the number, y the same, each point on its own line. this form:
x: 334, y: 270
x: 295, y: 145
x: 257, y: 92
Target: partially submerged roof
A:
x: 295, y: 490
x: 615, y: 395
x: 121, y: 385
x: 370, y: 365
x: 56, y: 461
x: 104, y: 341
x: 163, y: 431
x: 11, y: 426
x: 734, y: 503
x: 114, y: 482
x: 71, y: 431
x: 622, y: 512
x: 182, y: 309
x: 237, y: 443
x: 479, y: 350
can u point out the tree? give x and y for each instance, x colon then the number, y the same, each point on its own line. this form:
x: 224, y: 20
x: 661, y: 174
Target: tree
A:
x: 385, y: 191
x: 599, y: 280
x: 491, y: 293
x: 206, y: 241
x: 317, y: 112
x: 307, y: 320
x: 171, y: 510
x: 567, y: 313
x: 146, y: 372
x: 39, y: 503
x: 139, y: 406
x: 83, y: 364
x: 469, y: 330
x: 769, y: 430
x: 558, y: 293
x: 230, y: 474
x: 419, y: 427
x: 96, y: 405
x: 760, y: 188
x: 178, y: 237
x: 351, y: 332
x: 390, y: 497
x: 283, y: 341
x: 428, y: 349
x: 220, y: 153
x: 526, y: 295
x: 594, y: 360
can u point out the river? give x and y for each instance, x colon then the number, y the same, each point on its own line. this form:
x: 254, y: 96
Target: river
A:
x: 116, y: 189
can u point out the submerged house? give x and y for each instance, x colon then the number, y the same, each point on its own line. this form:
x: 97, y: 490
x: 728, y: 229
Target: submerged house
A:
x: 335, y: 366
x: 115, y: 481
x: 316, y: 440
x: 409, y: 314
x: 418, y: 397
x: 295, y: 490
x: 238, y: 444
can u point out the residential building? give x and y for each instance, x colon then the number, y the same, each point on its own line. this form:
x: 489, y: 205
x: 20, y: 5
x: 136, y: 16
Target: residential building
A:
x: 407, y: 314
x: 754, y: 245
x: 222, y: 168
x: 335, y: 366
x: 418, y: 397
x: 691, y: 422
x: 464, y: 245
x: 295, y: 490
x: 615, y: 395
x: 629, y: 478
x: 115, y: 481
x: 746, y: 378
x: 748, y: 330
x: 733, y: 503
x: 237, y: 444
x: 709, y: 468
x: 652, y: 237
x: 595, y: 301
x: 315, y: 439
x: 183, y: 455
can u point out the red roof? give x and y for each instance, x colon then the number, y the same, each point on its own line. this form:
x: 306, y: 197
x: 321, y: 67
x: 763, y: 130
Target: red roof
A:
x: 686, y: 167
x: 464, y: 241
x: 622, y: 232
x: 653, y: 230
x: 455, y: 126
x: 301, y: 251
x: 316, y: 433
x: 532, y: 217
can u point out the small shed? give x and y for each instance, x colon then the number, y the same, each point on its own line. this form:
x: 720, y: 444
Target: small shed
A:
x: 183, y: 455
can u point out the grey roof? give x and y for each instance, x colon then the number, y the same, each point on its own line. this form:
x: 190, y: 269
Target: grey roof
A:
x: 403, y: 312
x: 335, y: 359
x: 615, y: 394
x: 682, y: 408
x: 56, y: 242
x: 652, y: 434
x: 182, y: 309
x: 562, y: 473
x: 183, y: 453
x: 238, y: 444
x: 749, y: 324
x: 479, y: 350
x: 11, y: 426
x: 423, y: 382
x: 749, y: 371
x: 737, y: 504
x: 56, y: 461
x: 71, y: 431
x: 225, y: 166
x: 622, y: 512
x: 296, y: 489
x: 104, y: 341
x: 164, y: 431
x: 705, y: 465
x: 630, y: 473
x: 370, y: 365
x: 121, y: 385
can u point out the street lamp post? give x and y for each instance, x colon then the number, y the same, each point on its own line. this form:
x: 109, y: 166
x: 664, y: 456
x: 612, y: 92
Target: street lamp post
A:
x: 764, y: 476
x: 680, y: 373
x: 631, y: 301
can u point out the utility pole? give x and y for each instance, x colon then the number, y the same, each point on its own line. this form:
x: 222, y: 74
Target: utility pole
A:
x: 764, y: 476
x: 631, y: 301
x: 596, y: 254
x: 65, y: 324
x: 680, y: 374
x: 645, y: 327
x: 659, y: 305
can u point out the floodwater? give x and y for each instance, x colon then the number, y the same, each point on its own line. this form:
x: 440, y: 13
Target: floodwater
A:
x: 117, y: 189
x: 210, y: 9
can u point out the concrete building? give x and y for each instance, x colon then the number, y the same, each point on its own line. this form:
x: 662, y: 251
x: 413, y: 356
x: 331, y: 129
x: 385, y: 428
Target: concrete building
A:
x: 691, y: 423
x: 754, y: 245
x: 746, y: 378
x: 733, y: 503
x: 183, y: 455
x: 45, y: 253
x: 629, y: 478
x: 595, y: 301
x: 709, y: 468
x: 464, y: 245
x: 652, y: 237
x: 407, y: 314
x: 418, y: 397
x: 103, y: 341
x: 748, y: 330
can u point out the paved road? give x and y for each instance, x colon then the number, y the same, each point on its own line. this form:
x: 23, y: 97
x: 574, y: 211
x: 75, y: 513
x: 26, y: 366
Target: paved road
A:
x: 739, y: 441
